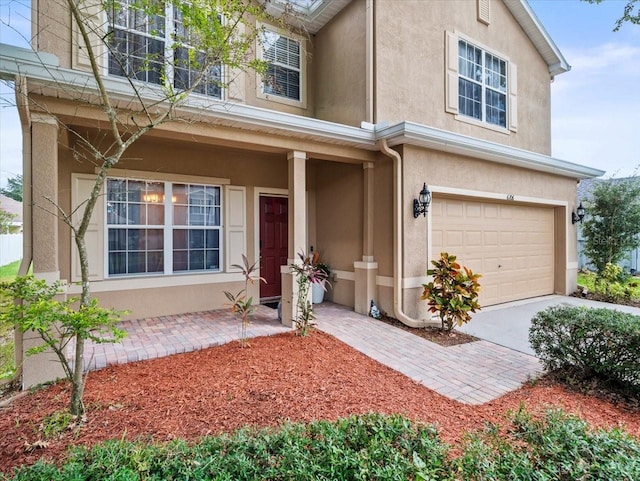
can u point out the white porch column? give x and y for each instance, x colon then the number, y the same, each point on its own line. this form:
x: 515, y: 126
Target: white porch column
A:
x: 297, y: 231
x: 367, y: 269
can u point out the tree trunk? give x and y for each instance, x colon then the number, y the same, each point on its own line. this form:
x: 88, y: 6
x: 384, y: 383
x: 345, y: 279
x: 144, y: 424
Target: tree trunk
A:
x: 77, y: 383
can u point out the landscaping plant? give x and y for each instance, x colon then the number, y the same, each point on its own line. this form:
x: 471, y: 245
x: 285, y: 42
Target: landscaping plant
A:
x: 453, y: 292
x: 306, y: 272
x: 591, y: 342
x: 612, y: 226
x: 242, y: 303
x: 29, y: 304
x: 555, y: 447
x: 366, y: 447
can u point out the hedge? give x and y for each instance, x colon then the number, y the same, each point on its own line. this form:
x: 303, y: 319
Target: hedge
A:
x: 597, y: 342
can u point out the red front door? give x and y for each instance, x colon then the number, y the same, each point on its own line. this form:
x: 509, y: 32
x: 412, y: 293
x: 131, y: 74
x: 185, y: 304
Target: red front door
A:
x: 274, y: 236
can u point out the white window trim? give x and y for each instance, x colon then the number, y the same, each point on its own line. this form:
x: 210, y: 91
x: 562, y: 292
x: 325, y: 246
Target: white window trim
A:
x: 168, y: 48
x: 504, y: 58
x: 508, y: 130
x: 302, y: 103
x: 168, y: 231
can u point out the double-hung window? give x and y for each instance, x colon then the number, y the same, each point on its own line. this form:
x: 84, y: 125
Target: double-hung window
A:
x: 482, y: 85
x: 162, y: 227
x: 140, y: 44
x: 284, y: 70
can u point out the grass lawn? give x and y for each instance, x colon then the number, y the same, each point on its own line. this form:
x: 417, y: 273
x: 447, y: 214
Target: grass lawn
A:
x: 588, y: 279
x: 9, y: 271
x: 7, y: 368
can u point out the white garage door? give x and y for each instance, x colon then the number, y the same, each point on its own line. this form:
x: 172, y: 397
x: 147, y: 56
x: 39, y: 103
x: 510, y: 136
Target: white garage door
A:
x: 512, y: 246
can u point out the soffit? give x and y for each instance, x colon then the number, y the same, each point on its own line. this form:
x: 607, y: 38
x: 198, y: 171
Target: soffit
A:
x: 529, y: 22
x: 310, y: 15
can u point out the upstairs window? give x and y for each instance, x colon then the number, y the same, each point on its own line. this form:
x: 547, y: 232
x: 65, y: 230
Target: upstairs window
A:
x: 137, y: 42
x: 482, y: 85
x: 140, y: 43
x: 283, y: 76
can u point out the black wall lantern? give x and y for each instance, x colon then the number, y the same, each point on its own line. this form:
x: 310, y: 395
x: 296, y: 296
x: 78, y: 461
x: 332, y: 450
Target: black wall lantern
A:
x: 421, y: 204
x: 578, y: 215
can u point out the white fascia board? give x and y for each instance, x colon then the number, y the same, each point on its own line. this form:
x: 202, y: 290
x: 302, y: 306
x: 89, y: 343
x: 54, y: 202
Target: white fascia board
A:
x: 43, y: 69
x: 530, y: 23
x: 445, y: 141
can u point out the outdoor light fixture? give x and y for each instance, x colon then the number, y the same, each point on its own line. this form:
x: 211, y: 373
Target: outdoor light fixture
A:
x: 578, y: 215
x: 421, y: 204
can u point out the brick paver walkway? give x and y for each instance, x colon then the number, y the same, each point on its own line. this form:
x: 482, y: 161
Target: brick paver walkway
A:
x: 162, y: 336
x: 471, y: 373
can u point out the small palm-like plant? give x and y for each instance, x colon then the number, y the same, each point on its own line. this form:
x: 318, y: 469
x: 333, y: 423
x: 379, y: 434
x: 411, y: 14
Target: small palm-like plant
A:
x: 241, y: 305
x: 308, y: 271
x: 453, y: 292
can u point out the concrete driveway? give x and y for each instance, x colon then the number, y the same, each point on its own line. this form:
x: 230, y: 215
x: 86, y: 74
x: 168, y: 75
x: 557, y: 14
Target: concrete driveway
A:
x: 508, y: 324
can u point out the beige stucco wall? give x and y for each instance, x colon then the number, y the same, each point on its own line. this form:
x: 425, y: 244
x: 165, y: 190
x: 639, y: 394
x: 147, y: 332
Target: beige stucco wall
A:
x: 410, y: 67
x: 339, y: 221
x: 340, y: 67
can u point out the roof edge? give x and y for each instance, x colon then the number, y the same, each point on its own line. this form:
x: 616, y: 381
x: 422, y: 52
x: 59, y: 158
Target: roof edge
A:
x: 43, y: 68
x: 446, y: 141
x: 532, y: 26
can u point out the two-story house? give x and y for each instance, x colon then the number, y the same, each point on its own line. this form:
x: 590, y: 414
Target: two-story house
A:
x: 381, y: 98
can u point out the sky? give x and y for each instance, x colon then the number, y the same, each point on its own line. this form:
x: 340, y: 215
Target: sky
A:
x: 595, y: 118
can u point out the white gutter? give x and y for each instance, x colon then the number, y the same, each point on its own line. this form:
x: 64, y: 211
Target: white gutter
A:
x: 398, y: 271
x: 445, y: 141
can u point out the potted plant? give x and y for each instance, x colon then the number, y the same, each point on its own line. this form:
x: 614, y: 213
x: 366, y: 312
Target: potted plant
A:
x: 319, y: 288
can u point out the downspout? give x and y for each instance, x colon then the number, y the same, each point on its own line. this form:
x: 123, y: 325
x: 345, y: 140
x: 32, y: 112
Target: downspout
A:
x: 22, y: 103
x: 398, y: 271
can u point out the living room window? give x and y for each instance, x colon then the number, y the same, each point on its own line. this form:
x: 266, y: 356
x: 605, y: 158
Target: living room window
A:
x: 140, y: 43
x: 162, y: 227
x: 482, y: 85
x: 284, y: 72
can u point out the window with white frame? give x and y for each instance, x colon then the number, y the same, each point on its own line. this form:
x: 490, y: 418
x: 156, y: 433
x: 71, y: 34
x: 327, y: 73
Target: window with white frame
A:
x: 140, y: 43
x: 482, y: 85
x: 162, y: 227
x: 284, y: 74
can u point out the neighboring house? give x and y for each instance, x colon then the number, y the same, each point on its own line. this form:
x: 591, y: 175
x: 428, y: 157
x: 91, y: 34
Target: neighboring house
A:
x: 383, y: 96
x: 12, y: 207
x: 631, y: 261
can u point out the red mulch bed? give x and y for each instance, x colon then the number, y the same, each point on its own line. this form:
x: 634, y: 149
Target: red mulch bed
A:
x: 278, y: 378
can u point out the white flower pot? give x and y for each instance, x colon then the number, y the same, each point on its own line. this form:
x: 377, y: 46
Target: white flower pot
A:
x: 317, y: 293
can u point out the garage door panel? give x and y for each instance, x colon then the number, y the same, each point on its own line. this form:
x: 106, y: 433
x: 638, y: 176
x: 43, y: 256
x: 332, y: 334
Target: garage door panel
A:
x: 512, y: 246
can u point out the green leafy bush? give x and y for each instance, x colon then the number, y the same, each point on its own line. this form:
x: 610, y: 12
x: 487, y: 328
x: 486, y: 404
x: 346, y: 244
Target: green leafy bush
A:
x: 359, y: 448
x: 369, y: 447
x: 596, y: 342
x: 556, y: 447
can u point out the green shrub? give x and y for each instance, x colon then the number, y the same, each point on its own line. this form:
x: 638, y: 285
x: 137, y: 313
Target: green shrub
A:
x: 357, y: 448
x: 370, y: 447
x: 556, y: 447
x: 596, y: 342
